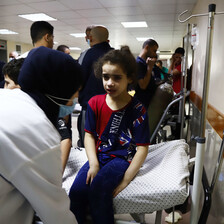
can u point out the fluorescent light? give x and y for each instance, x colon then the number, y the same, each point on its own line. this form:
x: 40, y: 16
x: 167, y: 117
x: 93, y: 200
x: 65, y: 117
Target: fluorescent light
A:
x: 143, y: 38
x: 55, y: 42
x: 134, y: 24
x: 78, y: 35
x: 75, y: 48
x: 5, y: 31
x: 37, y: 17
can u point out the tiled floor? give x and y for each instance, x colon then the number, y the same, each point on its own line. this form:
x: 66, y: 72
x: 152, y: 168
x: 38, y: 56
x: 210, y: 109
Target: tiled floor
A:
x: 150, y: 218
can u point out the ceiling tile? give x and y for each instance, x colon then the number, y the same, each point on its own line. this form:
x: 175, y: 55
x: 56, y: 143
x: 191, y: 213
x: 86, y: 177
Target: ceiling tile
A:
x: 64, y: 14
x: 74, y: 15
x: 15, y: 10
x: 81, y: 4
x: 127, y: 11
x: 50, y: 6
x: 9, y: 2
x: 88, y: 13
x: 118, y: 3
x: 30, y: 1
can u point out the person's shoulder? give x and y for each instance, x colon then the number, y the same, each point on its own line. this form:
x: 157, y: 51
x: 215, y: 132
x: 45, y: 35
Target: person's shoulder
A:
x: 88, y: 56
x: 86, y: 51
x: 39, y: 52
x: 140, y: 61
x: 165, y: 69
x: 137, y: 105
x: 97, y: 99
x: 96, y: 102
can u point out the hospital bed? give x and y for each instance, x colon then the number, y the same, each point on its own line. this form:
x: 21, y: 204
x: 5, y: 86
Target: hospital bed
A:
x: 161, y: 183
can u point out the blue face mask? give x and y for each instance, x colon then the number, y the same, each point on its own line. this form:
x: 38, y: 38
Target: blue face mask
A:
x: 88, y: 42
x: 64, y: 110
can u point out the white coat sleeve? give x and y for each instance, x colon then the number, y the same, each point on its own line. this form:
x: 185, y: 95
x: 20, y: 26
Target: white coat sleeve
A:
x: 30, y: 160
x: 39, y: 181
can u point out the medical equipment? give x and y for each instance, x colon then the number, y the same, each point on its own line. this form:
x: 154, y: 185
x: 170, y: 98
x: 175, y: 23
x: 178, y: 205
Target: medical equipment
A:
x: 161, y: 183
x: 200, y: 146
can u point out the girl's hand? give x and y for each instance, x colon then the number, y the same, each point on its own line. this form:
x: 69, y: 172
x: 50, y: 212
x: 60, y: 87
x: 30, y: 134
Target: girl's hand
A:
x: 120, y: 187
x: 93, y: 170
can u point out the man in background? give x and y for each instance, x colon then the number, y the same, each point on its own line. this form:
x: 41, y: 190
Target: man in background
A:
x: 87, y: 38
x: 91, y: 86
x: 13, y: 55
x: 146, y: 83
x: 42, y: 34
x: 63, y: 48
x: 88, y: 30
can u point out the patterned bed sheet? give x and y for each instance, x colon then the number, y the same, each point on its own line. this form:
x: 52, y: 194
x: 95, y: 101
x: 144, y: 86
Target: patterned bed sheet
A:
x: 161, y: 183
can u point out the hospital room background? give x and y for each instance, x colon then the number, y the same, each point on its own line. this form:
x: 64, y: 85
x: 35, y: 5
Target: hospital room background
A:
x: 196, y: 57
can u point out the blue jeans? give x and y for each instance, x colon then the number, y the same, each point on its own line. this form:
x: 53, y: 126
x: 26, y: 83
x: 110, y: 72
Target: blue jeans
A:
x: 97, y: 195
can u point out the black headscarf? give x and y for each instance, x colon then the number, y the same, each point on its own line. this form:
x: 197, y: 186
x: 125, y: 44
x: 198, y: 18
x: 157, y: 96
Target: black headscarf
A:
x: 49, y: 72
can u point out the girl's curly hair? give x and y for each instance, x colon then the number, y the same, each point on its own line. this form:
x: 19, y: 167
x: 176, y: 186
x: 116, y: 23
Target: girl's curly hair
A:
x: 124, y: 58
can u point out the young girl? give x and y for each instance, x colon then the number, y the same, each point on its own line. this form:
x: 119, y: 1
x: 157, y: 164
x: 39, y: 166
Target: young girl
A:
x: 116, y: 124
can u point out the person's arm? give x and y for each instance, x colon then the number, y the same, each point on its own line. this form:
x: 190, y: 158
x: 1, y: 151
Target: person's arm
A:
x: 90, y: 145
x: 176, y: 72
x: 66, y: 145
x: 143, y: 83
x: 132, y: 170
x: 39, y: 181
x: 172, y: 69
x: 172, y: 64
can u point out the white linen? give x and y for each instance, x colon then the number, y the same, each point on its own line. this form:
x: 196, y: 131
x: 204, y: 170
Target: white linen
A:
x: 161, y: 182
x: 30, y: 162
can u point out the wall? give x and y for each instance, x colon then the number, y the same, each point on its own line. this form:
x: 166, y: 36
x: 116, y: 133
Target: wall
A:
x: 11, y: 46
x: 216, y: 90
x: 212, y: 147
x: 75, y: 55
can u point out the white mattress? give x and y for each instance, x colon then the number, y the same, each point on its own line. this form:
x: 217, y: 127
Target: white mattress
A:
x: 160, y: 183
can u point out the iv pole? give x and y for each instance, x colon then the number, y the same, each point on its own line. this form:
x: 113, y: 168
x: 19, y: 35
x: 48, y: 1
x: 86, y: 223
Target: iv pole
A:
x: 184, y: 84
x: 200, y: 146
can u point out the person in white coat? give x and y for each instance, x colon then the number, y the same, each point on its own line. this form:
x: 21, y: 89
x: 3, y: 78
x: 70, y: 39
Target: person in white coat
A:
x: 30, y: 157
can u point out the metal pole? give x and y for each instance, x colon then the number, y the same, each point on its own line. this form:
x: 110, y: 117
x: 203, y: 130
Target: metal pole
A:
x: 163, y: 116
x: 207, y: 68
x: 184, y: 84
x: 200, y: 147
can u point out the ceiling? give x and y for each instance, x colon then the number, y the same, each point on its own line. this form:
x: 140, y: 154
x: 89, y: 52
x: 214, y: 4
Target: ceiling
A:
x: 73, y: 16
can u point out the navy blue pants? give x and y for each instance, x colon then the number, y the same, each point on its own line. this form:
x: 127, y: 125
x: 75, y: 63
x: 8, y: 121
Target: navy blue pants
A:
x: 98, y: 195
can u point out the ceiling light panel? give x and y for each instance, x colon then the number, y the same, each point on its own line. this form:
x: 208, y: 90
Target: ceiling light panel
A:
x: 134, y: 24
x: 5, y: 31
x: 78, y: 35
x: 75, y: 48
x: 143, y: 38
x: 37, y: 17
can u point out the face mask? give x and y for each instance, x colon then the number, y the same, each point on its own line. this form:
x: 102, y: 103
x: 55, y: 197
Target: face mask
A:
x: 10, y: 59
x: 88, y: 42
x: 64, y: 110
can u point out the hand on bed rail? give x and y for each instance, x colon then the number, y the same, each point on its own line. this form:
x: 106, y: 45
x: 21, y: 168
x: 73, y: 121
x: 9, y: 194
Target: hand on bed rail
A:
x: 120, y: 187
x: 133, y: 168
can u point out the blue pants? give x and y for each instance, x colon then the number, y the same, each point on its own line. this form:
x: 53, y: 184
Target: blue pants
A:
x: 97, y: 195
